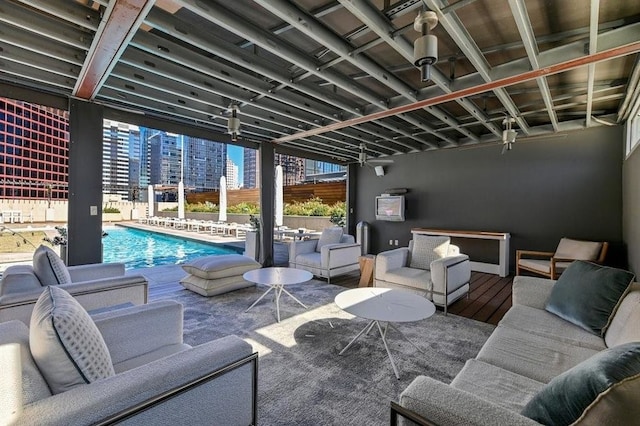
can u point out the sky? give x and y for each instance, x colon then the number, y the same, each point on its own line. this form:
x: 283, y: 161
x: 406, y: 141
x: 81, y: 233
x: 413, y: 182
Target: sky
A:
x: 235, y: 154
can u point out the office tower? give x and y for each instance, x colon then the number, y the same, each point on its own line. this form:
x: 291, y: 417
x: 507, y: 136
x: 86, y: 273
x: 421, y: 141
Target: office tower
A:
x: 232, y: 175
x: 251, y: 170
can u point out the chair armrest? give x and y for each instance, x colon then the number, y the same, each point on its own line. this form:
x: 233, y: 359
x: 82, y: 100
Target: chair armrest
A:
x: 534, y: 253
x: 135, y: 331
x: 228, y: 397
x: 450, y: 273
x: 300, y: 247
x: 531, y: 291
x: 390, y: 260
x: 441, y: 404
x: 336, y: 255
x: 95, y: 271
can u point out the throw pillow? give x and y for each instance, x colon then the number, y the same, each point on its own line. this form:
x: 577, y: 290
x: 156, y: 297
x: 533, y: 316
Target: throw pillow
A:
x: 426, y: 249
x: 49, y: 268
x: 587, y: 295
x: 329, y: 236
x: 600, y: 390
x: 65, y: 342
x: 578, y: 250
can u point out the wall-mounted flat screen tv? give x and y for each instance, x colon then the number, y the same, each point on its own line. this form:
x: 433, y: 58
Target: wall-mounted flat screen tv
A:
x: 390, y: 207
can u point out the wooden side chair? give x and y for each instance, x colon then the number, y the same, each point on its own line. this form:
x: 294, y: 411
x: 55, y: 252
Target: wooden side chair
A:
x: 551, y: 264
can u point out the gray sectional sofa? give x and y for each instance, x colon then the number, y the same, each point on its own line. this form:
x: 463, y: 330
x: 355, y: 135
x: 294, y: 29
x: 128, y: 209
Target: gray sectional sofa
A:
x: 529, y: 348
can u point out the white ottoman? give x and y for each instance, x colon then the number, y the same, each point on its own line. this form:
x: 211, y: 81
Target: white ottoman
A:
x: 212, y: 275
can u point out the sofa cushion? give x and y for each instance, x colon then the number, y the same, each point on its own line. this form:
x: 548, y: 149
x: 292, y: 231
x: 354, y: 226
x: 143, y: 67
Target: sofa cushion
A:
x: 410, y: 277
x: 546, y: 324
x: 497, y: 385
x: 214, y: 287
x: 49, y: 268
x: 65, y: 343
x: 587, y: 294
x: 537, y: 357
x: 226, y: 265
x: 331, y: 235
x: 625, y: 324
x: 605, y: 389
x: 426, y: 249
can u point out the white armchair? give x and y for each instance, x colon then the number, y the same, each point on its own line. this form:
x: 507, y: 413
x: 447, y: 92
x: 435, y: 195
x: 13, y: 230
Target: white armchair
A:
x: 441, y: 274
x: 332, y: 255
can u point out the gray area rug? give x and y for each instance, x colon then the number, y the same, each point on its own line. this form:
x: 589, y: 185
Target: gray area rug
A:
x: 302, y: 379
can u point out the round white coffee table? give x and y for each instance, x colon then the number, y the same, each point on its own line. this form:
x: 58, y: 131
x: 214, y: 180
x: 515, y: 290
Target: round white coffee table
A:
x: 276, y: 279
x: 384, y: 305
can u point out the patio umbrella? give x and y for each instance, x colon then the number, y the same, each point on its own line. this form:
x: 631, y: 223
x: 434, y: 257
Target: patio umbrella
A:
x: 222, y: 216
x: 180, y: 200
x: 279, y: 196
x: 150, y: 199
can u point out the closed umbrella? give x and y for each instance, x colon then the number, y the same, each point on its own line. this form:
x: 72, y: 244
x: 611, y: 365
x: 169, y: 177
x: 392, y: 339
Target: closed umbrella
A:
x: 180, y: 200
x: 222, y: 217
x: 279, y: 196
x: 151, y: 198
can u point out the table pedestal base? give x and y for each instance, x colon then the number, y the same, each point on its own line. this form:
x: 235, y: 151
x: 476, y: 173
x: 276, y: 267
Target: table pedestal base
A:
x: 367, y: 329
x: 279, y: 288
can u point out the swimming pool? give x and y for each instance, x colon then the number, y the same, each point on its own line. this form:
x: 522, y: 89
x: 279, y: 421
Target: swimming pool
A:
x: 142, y: 249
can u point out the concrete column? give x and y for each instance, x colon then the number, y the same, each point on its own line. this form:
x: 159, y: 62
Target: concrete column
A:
x: 85, y: 183
x: 266, y: 157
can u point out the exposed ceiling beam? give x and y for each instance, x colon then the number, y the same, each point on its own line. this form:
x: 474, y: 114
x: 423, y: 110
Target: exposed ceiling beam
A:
x: 373, y: 19
x: 120, y: 23
x: 308, y: 25
x: 562, y: 66
x: 465, y: 42
x: 593, y: 48
x: 632, y: 93
x: 521, y: 16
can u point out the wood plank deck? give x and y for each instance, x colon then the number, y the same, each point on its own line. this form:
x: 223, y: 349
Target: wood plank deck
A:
x: 489, y: 296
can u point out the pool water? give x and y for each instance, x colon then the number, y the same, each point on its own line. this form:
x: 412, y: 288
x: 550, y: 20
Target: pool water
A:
x: 142, y: 249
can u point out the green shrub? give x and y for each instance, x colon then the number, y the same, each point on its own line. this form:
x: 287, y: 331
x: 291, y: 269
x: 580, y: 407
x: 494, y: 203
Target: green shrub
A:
x: 244, y: 208
x: 111, y: 210
x: 311, y: 207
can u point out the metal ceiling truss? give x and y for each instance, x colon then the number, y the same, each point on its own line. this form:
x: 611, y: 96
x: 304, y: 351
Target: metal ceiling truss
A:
x: 134, y: 55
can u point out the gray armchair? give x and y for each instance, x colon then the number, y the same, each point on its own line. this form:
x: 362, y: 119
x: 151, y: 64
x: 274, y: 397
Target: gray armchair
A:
x: 443, y: 280
x: 332, y: 255
x: 95, y: 286
x: 158, y: 380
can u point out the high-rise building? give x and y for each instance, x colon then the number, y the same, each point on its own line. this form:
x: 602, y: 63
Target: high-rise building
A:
x: 251, y: 171
x: 315, y: 171
x: 115, y: 158
x: 204, y: 163
x: 232, y: 175
x: 34, y: 151
x: 292, y: 168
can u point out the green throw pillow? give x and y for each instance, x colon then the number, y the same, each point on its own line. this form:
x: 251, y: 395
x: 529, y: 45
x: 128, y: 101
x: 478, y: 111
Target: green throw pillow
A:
x: 601, y: 390
x: 587, y: 294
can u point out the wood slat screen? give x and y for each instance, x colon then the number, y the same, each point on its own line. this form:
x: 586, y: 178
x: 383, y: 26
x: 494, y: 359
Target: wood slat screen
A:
x: 329, y: 192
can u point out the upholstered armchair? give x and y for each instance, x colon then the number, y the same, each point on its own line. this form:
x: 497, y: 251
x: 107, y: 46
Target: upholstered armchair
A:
x: 552, y: 264
x: 148, y: 375
x: 95, y: 286
x: 430, y: 266
x: 333, y: 254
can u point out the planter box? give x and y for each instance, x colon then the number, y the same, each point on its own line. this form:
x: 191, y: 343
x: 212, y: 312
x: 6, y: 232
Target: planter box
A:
x: 111, y: 217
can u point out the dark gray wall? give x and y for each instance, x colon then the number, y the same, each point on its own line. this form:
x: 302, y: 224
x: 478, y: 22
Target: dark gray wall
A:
x: 631, y: 209
x: 540, y: 191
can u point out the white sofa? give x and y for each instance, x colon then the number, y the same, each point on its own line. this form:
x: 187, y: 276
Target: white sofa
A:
x: 326, y: 260
x: 446, y: 280
x: 529, y: 348
x: 158, y: 378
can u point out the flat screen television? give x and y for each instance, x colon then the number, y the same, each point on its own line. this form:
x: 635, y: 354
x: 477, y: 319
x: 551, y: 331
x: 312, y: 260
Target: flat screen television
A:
x: 390, y: 207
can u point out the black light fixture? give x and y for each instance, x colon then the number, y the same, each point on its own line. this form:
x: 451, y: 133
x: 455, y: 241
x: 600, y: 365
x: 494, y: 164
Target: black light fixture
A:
x: 233, y: 125
x: 425, y: 48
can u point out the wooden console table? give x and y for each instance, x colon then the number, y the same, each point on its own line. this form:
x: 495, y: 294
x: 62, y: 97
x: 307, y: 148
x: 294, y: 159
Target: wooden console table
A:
x: 502, y: 268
